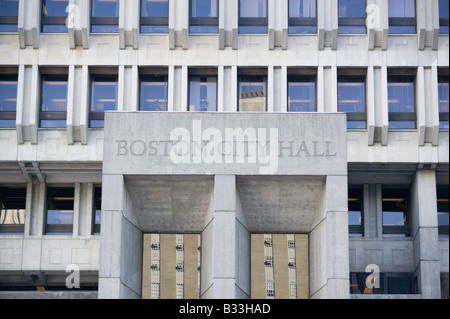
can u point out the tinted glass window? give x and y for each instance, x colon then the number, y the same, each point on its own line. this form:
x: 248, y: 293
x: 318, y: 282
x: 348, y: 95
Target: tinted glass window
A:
x: 60, y: 203
x: 9, y: 10
x: 351, y: 99
x: 401, y: 100
x: 12, y: 211
x: 203, y: 93
x: 54, y: 99
x: 103, y: 96
x: 104, y: 16
x: 302, y: 16
x: 443, y: 16
x: 54, y: 15
x: 302, y: 94
x: 352, y: 14
x: 8, y: 101
x: 252, y: 94
x: 253, y: 16
x: 153, y: 93
x: 154, y: 16
x: 443, y: 88
x: 402, y: 14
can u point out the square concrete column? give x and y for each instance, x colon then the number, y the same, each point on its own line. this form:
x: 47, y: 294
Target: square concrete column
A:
x: 121, y: 243
x: 329, y: 247
x: 225, y: 246
x: 425, y: 233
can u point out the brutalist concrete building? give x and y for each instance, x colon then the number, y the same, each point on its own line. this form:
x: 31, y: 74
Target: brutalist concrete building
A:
x: 224, y: 149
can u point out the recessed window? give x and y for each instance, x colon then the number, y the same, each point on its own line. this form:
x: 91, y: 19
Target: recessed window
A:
x: 301, y: 93
x: 355, y: 212
x: 54, y: 15
x: 53, y: 112
x: 105, y: 16
x: 352, y: 16
x: 12, y: 210
x: 396, y: 222
x: 202, y: 93
x: 252, y: 93
x: 97, y: 210
x: 443, y: 211
x: 352, y: 100
x: 9, y: 11
x: 383, y: 283
x: 443, y: 89
x: 103, y: 98
x: 8, y: 101
x: 253, y: 16
x: 401, y: 102
x: 154, y: 16
x: 443, y: 16
x: 204, y: 16
x: 402, y: 16
x: 60, y: 203
x: 302, y: 16
x: 153, y: 92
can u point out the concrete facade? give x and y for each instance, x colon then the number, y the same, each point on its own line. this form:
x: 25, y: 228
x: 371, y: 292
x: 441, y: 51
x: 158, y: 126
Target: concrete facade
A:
x: 225, y: 203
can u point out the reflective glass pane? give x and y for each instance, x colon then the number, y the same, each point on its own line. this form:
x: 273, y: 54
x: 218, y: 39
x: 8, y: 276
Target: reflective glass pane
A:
x: 352, y: 9
x: 401, y: 97
x: 302, y: 8
x: 8, y: 94
x: 9, y: 8
x: 354, y: 218
x: 307, y: 29
x: 155, y: 8
x: 407, y: 29
x: 55, y: 8
x: 252, y: 29
x: 352, y: 29
x: 401, y: 100
x: 60, y: 205
x: 154, y: 29
x: 12, y: 210
x: 204, y: 9
x: 351, y: 97
x: 402, y: 9
x: 153, y: 94
x: 99, y: 28
x: 104, y: 94
x: 54, y: 95
x: 105, y: 8
x: 394, y: 218
x: 302, y: 96
x: 253, y: 8
x: 203, y: 93
x: 443, y: 88
x: 252, y: 95
x: 203, y: 29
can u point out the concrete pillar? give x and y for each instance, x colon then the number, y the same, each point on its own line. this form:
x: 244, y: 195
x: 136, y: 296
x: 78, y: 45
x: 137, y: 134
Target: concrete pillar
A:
x: 121, y: 243
x: 79, y: 13
x: 29, y: 22
x: 225, y: 246
x: 329, y: 247
x: 425, y: 233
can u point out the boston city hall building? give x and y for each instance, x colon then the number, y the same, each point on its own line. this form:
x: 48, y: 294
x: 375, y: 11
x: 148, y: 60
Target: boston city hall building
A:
x: 224, y: 149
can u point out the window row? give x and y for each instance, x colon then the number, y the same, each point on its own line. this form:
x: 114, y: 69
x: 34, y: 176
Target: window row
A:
x: 203, y: 94
x: 204, y: 16
x: 59, y: 212
x: 396, y: 212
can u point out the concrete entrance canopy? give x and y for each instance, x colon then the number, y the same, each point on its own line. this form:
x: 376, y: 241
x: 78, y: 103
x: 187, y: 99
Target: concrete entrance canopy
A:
x: 224, y: 176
